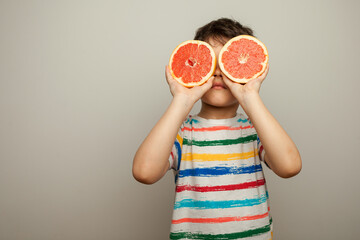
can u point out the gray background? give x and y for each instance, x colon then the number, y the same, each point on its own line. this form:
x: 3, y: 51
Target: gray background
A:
x: 82, y: 83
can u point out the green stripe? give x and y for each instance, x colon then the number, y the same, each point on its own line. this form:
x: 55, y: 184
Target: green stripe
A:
x: 220, y: 142
x: 236, y: 235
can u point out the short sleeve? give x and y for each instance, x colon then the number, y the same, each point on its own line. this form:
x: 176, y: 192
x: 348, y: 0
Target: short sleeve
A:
x: 175, y: 155
x: 261, y: 151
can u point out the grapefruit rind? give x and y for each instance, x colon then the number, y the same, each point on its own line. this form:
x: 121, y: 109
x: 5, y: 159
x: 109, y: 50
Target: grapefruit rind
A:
x: 224, y: 49
x: 204, y: 79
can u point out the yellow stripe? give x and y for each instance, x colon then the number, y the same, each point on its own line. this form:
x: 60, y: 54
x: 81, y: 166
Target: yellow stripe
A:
x: 180, y: 140
x: 204, y: 157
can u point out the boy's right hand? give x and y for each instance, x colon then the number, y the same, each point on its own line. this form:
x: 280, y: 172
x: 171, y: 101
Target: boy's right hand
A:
x: 192, y: 94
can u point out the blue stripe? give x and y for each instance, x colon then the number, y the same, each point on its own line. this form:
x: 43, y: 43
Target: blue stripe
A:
x: 176, y: 177
x: 218, y: 171
x: 242, y: 120
x: 191, y: 121
x: 178, y: 149
x: 190, y: 203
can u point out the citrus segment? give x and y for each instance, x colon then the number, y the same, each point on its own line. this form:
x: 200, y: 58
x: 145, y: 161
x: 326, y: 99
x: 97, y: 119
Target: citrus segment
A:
x: 243, y: 58
x: 192, y: 63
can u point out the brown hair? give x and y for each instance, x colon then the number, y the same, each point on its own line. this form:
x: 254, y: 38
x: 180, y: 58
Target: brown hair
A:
x: 222, y: 29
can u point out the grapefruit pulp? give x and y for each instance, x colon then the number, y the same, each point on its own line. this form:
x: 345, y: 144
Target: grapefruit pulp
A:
x: 192, y: 63
x: 243, y: 58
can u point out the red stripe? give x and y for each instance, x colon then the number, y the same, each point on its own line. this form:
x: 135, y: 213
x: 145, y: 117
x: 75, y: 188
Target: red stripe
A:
x: 220, y: 219
x: 215, y: 128
x: 252, y: 184
x: 172, y: 155
x: 260, y: 151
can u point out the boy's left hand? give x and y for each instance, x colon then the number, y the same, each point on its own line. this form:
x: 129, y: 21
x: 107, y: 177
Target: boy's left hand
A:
x: 242, y: 91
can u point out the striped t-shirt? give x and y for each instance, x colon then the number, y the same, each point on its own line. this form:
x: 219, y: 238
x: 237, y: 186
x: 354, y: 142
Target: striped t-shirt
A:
x: 220, y: 186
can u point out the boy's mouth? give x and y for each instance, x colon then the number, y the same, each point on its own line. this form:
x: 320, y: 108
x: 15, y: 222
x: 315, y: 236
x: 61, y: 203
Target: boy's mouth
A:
x: 218, y: 85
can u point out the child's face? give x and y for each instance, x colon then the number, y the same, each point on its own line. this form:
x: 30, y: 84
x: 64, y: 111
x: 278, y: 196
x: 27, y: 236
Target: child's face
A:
x: 218, y: 96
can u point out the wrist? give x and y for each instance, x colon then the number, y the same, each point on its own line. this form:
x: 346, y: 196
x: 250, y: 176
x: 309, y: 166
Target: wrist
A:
x: 249, y: 101
x: 183, y: 103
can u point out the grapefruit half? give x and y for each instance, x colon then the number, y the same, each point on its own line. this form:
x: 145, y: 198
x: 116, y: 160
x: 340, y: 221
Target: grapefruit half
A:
x: 192, y: 63
x: 243, y: 58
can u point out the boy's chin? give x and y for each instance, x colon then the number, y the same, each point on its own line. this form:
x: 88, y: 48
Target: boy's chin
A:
x: 219, y: 104
x: 218, y: 100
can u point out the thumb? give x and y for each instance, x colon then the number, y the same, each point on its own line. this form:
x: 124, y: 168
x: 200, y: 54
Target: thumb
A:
x: 227, y: 81
x: 206, y: 86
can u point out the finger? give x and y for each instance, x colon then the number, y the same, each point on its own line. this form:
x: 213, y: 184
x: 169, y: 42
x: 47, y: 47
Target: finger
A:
x: 266, y: 69
x: 264, y: 74
x: 168, y: 75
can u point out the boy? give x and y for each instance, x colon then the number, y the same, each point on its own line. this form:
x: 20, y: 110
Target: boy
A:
x: 215, y: 155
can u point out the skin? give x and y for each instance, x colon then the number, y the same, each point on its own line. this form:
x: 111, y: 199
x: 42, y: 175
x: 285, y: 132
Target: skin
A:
x: 151, y: 163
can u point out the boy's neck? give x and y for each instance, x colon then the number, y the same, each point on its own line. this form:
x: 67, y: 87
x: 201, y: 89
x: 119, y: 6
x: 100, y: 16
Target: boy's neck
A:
x: 212, y: 112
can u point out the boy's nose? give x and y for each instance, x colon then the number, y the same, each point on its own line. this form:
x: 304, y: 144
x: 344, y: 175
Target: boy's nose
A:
x: 217, y: 71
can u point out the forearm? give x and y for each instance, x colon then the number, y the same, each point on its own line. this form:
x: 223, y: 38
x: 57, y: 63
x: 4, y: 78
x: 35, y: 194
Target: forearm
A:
x: 281, y: 152
x: 151, y: 159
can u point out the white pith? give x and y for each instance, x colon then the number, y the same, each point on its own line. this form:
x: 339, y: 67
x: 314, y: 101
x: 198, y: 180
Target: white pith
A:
x: 243, y: 58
